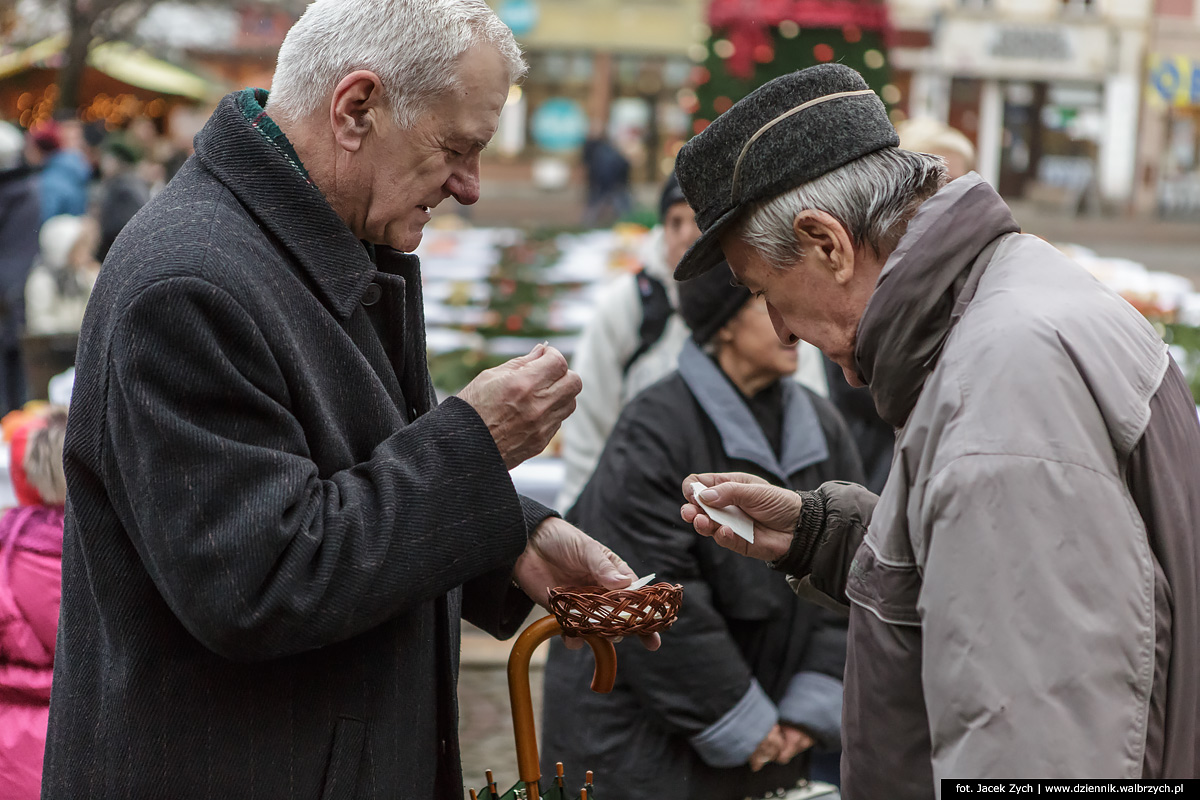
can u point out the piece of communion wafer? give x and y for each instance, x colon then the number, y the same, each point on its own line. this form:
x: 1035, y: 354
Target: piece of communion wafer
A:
x: 731, y: 516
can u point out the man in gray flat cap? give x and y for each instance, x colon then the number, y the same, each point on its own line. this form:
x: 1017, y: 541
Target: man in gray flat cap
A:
x: 1023, y: 594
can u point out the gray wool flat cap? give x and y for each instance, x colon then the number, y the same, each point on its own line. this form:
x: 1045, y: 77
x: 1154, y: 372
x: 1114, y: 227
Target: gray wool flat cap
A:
x: 784, y: 133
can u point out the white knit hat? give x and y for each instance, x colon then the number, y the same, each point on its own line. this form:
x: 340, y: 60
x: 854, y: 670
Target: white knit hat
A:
x: 58, y: 235
x: 12, y: 144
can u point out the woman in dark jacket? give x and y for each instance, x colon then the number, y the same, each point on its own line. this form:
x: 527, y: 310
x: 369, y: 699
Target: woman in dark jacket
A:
x: 749, y: 674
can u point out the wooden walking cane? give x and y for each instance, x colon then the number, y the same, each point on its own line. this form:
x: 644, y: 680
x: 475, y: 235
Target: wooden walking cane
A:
x: 596, y: 615
x: 522, y: 700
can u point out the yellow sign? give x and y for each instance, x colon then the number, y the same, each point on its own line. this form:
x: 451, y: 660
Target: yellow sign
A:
x: 1174, y: 80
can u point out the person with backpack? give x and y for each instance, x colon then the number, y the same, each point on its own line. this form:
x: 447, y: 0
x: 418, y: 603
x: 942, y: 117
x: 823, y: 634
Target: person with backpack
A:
x: 632, y: 341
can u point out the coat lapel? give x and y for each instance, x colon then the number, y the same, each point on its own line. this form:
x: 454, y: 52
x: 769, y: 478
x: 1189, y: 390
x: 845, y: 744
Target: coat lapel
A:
x: 741, y: 436
x: 294, y: 212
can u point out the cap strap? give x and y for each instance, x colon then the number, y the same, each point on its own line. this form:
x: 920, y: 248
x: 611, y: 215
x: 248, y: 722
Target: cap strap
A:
x: 737, y: 168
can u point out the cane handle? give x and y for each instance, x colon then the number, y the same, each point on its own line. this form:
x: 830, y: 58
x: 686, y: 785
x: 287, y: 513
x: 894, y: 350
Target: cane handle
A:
x: 522, y: 700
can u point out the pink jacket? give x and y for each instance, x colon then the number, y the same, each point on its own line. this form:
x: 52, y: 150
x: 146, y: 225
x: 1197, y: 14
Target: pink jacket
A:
x: 30, y: 585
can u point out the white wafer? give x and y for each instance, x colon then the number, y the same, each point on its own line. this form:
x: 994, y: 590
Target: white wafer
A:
x: 732, y: 516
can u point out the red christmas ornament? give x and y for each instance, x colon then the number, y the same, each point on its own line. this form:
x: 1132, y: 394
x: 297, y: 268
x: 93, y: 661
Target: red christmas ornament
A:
x: 764, y: 54
x: 823, y: 53
x: 722, y: 104
x: 700, y: 76
x: 699, y: 125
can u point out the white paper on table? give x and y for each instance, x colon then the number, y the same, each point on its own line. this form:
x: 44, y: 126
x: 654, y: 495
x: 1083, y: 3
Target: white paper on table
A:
x: 732, y: 516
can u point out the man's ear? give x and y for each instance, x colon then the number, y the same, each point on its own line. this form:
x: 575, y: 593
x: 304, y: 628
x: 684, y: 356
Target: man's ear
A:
x: 824, y: 239
x: 356, y: 105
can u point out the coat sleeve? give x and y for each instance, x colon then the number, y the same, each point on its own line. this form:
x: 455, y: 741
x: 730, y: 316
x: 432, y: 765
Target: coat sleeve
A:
x: 606, y: 343
x: 257, y: 553
x: 1037, y: 612
x: 697, y: 684
x: 833, y: 523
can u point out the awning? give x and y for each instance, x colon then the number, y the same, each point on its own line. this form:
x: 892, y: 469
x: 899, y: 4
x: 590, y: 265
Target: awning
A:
x: 119, y: 60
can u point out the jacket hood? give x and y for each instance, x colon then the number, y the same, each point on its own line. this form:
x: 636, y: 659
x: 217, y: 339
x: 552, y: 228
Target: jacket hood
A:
x: 923, y: 289
x: 804, y: 442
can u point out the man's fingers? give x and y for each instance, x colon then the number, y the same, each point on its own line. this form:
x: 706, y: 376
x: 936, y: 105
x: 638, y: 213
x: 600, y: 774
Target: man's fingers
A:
x: 548, y: 366
x: 651, y: 641
x: 573, y: 642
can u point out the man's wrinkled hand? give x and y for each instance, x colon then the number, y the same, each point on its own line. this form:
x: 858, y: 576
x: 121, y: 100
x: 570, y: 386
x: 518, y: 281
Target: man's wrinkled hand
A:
x: 524, y: 401
x: 774, y: 509
x: 559, y: 554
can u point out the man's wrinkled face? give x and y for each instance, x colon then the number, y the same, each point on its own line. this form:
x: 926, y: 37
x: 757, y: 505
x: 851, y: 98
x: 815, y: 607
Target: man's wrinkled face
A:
x: 679, y: 231
x: 410, y: 171
x: 803, y: 300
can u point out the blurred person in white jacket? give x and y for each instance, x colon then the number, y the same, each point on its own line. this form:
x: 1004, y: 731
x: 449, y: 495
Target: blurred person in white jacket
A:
x: 58, y: 287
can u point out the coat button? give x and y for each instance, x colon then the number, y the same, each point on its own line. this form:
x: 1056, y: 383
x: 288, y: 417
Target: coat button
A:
x: 372, y: 294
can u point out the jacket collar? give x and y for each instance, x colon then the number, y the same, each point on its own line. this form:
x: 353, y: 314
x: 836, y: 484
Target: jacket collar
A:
x: 741, y: 436
x: 923, y: 289
x: 279, y: 197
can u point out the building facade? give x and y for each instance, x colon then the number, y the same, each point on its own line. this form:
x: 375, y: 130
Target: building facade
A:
x: 1049, y: 90
x: 1168, y: 158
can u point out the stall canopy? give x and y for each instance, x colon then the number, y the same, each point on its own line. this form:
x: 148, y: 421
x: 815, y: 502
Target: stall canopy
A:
x: 119, y: 60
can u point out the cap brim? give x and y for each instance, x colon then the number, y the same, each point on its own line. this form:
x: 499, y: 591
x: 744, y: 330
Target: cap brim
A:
x: 706, y: 252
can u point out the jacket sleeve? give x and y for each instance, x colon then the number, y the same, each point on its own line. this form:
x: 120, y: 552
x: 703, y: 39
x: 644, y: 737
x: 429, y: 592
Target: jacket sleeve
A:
x: 257, y: 553
x: 833, y: 523
x: 1037, y: 621
x: 607, y: 342
x: 492, y: 602
x: 697, y: 684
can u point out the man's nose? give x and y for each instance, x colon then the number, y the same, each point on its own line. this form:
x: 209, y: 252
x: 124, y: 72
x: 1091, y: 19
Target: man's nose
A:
x: 463, y: 184
x: 781, y: 329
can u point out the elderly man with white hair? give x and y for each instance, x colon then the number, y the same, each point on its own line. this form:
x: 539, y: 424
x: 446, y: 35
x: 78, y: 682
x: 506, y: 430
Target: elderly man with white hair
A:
x: 1023, y: 593
x: 272, y: 528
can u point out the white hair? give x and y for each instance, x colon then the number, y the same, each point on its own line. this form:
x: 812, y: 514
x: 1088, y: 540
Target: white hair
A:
x: 873, y: 197
x: 412, y: 45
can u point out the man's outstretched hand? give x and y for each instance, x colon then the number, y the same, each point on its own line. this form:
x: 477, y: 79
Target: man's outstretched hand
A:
x: 775, y: 512
x: 559, y: 554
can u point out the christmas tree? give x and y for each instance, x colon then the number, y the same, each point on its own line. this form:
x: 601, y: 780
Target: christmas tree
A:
x: 753, y: 41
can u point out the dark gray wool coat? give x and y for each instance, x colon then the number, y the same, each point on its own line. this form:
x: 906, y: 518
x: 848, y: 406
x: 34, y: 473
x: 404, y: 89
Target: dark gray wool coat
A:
x: 271, y: 530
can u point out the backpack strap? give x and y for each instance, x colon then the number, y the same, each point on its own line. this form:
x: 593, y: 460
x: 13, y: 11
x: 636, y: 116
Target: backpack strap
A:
x: 656, y: 312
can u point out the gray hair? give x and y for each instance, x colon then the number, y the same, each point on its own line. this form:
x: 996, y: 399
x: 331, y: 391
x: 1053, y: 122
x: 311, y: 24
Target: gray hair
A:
x: 412, y: 45
x: 873, y: 197
x: 44, y: 457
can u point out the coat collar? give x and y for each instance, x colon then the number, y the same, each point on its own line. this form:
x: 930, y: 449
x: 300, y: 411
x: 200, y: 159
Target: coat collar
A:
x: 248, y: 163
x: 923, y: 290
x: 741, y: 436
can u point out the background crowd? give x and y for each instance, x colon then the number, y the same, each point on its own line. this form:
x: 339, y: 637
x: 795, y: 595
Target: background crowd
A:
x: 66, y: 191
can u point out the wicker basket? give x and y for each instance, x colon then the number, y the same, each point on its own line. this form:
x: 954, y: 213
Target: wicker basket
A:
x: 593, y: 610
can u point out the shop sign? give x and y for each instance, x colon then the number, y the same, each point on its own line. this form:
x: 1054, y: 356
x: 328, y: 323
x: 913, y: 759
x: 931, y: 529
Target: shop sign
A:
x: 1023, y: 51
x: 1174, y: 80
x: 521, y: 16
x: 559, y: 124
